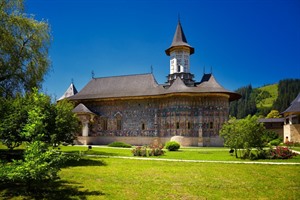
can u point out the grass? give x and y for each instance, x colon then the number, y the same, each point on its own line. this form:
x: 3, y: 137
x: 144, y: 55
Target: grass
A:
x: 114, y: 178
x: 268, y: 102
x: 188, y: 153
x: 111, y: 178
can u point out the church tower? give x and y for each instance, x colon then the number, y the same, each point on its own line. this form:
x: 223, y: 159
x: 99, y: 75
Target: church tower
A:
x: 179, y: 53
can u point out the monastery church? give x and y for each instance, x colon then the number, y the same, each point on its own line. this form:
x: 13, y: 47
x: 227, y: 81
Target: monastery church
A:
x: 137, y: 110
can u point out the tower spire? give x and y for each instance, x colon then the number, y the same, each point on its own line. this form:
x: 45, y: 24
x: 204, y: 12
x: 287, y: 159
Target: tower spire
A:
x: 179, y: 40
x: 179, y: 53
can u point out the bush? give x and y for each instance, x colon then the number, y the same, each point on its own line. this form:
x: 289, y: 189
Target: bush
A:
x: 119, y: 144
x: 40, y: 164
x: 292, y: 144
x: 156, y: 150
x: 275, y: 142
x: 282, y: 153
x: 140, y: 151
x: 144, y: 151
x: 172, y: 146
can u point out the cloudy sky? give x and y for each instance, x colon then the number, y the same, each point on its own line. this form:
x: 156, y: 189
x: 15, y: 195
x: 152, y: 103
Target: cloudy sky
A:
x: 243, y: 42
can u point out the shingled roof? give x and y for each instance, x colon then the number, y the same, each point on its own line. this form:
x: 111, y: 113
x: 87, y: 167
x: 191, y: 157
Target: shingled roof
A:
x: 82, y: 109
x: 69, y: 92
x: 294, y: 107
x: 179, y: 39
x: 119, y: 86
x: 145, y: 85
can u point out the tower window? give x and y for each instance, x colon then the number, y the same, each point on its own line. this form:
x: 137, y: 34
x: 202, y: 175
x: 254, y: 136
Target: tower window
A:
x: 143, y: 126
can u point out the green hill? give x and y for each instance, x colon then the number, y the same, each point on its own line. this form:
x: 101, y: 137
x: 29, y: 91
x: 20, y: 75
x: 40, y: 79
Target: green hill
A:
x: 260, y: 101
x: 266, y: 96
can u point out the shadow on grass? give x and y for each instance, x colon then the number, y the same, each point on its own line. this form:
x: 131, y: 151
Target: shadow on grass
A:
x: 51, y: 190
x: 84, y: 162
x: 92, y: 152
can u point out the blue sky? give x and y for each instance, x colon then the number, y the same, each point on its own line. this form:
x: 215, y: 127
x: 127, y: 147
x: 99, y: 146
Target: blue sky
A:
x: 253, y: 42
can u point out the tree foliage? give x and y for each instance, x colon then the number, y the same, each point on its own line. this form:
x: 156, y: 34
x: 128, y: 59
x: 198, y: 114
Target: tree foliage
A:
x: 244, y: 133
x: 288, y: 89
x: 244, y: 106
x: 35, y: 118
x: 23, y: 49
x: 39, y: 124
x: 273, y: 114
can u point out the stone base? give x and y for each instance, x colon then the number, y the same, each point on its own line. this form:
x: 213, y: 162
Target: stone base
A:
x: 140, y: 141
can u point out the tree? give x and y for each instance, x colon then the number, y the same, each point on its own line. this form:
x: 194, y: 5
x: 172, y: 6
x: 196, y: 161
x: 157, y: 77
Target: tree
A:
x: 35, y: 118
x: 44, y: 125
x: 23, y: 49
x: 273, y: 114
x: 14, y: 113
x: 288, y: 89
x: 244, y: 106
x: 232, y: 135
x: 66, y: 123
x: 243, y: 134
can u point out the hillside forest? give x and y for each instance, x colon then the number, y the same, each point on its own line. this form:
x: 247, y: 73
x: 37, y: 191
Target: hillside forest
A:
x: 260, y: 101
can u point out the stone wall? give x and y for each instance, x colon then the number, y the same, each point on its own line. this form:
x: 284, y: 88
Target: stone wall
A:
x: 292, y: 131
x: 140, y: 141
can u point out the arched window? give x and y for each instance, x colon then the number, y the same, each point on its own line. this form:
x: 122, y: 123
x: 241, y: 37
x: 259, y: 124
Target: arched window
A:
x: 189, y: 125
x: 104, y: 124
x: 119, y: 121
x: 143, y: 126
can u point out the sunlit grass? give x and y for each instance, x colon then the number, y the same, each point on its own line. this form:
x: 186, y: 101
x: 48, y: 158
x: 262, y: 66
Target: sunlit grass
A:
x: 138, y: 179
x: 188, y: 153
x: 115, y: 178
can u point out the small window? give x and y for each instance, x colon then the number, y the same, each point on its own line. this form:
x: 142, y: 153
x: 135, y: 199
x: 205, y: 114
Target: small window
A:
x: 189, y: 125
x: 211, y: 125
x: 119, y: 124
x: 143, y: 126
x: 177, y: 125
x: 104, y: 124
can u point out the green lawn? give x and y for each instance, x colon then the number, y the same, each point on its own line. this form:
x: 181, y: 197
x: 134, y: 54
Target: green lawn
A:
x: 189, y: 153
x: 116, y: 178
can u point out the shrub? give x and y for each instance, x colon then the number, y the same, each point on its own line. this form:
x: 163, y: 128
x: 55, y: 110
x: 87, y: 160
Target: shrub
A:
x: 281, y: 153
x: 156, y: 150
x: 172, y: 146
x: 292, y: 144
x: 144, y: 151
x: 40, y: 164
x: 119, y: 144
x: 140, y: 151
x: 275, y: 142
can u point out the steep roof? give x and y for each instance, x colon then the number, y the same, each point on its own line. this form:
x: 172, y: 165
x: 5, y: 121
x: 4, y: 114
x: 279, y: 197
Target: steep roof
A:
x: 145, y: 85
x: 69, y: 92
x: 81, y: 108
x: 209, y: 84
x: 294, y: 107
x: 179, y: 39
x: 119, y: 86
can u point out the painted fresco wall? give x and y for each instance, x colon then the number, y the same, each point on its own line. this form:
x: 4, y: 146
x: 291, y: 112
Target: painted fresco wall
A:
x: 188, y: 116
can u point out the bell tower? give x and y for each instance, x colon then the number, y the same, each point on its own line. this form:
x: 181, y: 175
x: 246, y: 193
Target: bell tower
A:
x: 179, y: 53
